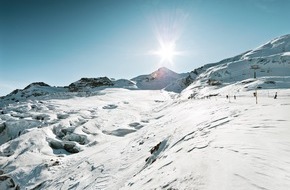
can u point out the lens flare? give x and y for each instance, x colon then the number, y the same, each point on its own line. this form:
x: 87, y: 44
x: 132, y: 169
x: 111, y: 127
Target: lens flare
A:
x: 168, y: 25
x: 166, y: 52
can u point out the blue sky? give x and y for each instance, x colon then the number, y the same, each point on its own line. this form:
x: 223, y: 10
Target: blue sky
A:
x: 60, y: 41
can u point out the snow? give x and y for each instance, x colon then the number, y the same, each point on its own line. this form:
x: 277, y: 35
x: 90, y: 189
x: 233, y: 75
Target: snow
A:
x: 204, y: 143
x: 124, y: 137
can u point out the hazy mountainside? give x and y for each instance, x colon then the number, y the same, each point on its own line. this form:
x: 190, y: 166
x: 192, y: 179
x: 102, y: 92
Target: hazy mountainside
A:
x: 100, y: 133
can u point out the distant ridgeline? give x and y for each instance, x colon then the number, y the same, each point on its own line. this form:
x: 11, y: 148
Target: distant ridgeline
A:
x: 269, y: 63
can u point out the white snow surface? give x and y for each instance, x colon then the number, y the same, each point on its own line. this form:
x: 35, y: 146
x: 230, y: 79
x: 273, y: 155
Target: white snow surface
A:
x: 211, y: 143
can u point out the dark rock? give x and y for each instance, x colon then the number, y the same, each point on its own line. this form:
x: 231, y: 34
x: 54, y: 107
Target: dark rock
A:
x: 2, y: 127
x: 56, y: 163
x: 55, y: 144
x: 84, y: 83
x: 36, y: 84
x: 71, y: 147
x: 15, y: 91
x: 213, y: 82
x: 155, y: 148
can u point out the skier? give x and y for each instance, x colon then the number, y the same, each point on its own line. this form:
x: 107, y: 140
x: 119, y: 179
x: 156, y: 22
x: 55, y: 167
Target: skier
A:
x: 275, y: 97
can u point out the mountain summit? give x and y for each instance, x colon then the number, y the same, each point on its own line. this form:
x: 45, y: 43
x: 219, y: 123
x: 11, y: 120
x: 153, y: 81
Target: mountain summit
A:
x: 157, y: 80
x: 164, y: 72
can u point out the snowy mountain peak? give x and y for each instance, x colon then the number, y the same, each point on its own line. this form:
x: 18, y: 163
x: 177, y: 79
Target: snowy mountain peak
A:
x: 157, y: 80
x: 164, y: 72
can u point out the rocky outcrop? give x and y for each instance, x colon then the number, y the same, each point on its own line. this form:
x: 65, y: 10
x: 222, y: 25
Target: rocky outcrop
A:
x: 38, y: 84
x: 85, y: 83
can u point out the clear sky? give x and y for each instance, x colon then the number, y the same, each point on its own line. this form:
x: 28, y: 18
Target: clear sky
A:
x: 60, y: 41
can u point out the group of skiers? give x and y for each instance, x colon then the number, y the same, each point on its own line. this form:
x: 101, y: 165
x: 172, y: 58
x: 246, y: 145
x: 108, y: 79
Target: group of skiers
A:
x: 255, y: 94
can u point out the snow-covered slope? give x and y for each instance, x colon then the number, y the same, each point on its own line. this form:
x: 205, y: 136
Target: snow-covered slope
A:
x: 180, y: 84
x: 278, y: 45
x: 268, y: 64
x: 157, y: 80
x: 123, y: 139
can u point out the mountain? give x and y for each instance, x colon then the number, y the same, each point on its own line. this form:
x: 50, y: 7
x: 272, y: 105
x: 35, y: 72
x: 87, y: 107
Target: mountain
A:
x: 32, y: 91
x: 270, y: 59
x: 157, y: 80
x: 82, y: 87
x: 88, y: 86
x: 267, y: 67
x: 97, y: 133
x: 182, y: 83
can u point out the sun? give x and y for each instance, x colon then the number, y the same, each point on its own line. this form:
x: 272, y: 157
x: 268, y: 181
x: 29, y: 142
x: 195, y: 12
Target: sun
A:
x: 166, y: 52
